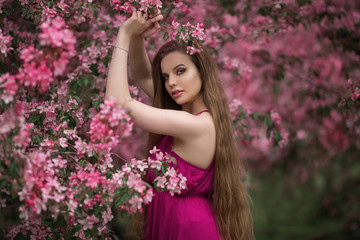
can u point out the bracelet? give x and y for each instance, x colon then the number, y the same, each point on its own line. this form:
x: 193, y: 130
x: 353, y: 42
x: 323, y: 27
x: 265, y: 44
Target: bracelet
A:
x: 122, y: 49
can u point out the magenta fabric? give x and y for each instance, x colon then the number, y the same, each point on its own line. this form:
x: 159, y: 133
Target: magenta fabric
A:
x: 187, y: 216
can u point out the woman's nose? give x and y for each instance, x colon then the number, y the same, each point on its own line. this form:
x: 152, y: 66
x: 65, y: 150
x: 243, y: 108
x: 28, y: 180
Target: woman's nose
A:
x: 172, y: 80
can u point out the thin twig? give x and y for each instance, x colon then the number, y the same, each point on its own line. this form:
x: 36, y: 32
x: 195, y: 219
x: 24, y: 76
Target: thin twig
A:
x: 119, y: 157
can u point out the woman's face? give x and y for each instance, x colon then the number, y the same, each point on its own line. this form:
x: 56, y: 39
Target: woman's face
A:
x: 181, y: 77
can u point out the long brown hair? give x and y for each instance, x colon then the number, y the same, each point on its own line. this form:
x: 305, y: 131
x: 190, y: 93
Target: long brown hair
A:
x: 231, y: 202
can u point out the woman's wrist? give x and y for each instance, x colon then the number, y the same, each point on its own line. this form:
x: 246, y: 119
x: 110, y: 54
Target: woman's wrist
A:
x: 123, y: 39
x: 136, y: 40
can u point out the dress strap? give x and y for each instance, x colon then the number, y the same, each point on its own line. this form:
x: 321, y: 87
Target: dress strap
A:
x: 201, y: 112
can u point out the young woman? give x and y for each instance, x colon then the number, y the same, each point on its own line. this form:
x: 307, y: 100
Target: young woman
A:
x: 190, y: 120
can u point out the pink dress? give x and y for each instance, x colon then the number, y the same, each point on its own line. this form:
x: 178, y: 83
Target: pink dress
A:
x: 187, y: 216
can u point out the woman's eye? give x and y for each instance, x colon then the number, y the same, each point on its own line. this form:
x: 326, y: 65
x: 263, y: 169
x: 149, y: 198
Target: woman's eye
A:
x: 165, y: 78
x: 180, y: 71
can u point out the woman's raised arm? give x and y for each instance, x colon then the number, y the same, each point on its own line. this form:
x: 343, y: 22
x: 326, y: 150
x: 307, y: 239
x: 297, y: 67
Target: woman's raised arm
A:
x: 140, y: 67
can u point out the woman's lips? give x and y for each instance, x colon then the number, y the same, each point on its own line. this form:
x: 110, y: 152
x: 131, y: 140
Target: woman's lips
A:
x: 177, y: 93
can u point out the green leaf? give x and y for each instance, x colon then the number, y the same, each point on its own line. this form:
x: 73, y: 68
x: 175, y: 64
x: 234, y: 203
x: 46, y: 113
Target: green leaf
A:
x: 94, y: 69
x: 37, y: 139
x: 80, y: 12
x: 97, y: 210
x: 163, y: 169
x: 13, y: 168
x: 118, y: 203
x: 97, y: 103
x: 136, y: 4
x: 151, y: 11
x: 37, y: 119
x: 277, y: 137
x: 76, y: 97
x: 255, y: 115
x: 109, y: 174
x: 83, y: 81
x: 267, y: 121
x: 107, y: 60
x: 264, y: 11
x: 3, y: 182
x: 76, y: 228
x: 82, y: 162
x: 4, y: 106
x: 59, y: 10
x: 166, y: 36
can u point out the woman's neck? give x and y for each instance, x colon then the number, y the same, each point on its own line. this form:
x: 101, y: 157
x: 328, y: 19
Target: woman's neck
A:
x: 194, y: 107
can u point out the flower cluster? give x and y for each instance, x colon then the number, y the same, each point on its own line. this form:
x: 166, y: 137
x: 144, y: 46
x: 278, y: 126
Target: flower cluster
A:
x: 134, y: 192
x: 5, y: 41
x: 42, y: 66
x: 355, y: 90
x: 41, y: 185
x: 169, y: 179
x: 148, y: 6
x: 258, y: 128
x: 190, y: 35
x: 109, y: 126
x: 240, y: 69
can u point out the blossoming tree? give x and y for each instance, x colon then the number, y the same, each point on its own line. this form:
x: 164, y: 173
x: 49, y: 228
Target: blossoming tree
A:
x: 290, y: 69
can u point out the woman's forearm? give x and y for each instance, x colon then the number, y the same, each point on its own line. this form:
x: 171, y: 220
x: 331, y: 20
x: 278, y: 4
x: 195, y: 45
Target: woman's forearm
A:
x: 117, y: 82
x: 140, y: 67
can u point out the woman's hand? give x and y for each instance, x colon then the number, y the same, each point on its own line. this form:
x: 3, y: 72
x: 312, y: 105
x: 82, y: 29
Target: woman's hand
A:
x: 138, y: 25
x: 154, y: 27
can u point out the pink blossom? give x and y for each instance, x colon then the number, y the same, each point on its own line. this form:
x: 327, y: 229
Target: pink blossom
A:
x: 183, y: 180
x: 154, y: 150
x: 155, y: 164
x: 8, y: 82
x: 173, y: 181
x: 88, y: 222
x: 23, y: 138
x: 93, y: 179
x: 63, y: 142
x: 59, y: 162
x: 136, y: 202
x: 5, y: 41
x: 32, y: 75
x: 107, y: 215
x: 109, y: 125
x: 161, y: 180
x: 55, y: 33
x: 81, y: 147
x: 146, y: 4
x: 230, y: 21
x: 149, y: 196
x: 134, y: 180
x: 275, y: 117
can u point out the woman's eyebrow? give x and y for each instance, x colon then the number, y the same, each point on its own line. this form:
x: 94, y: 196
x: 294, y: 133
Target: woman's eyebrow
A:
x: 175, y: 67
x: 178, y: 66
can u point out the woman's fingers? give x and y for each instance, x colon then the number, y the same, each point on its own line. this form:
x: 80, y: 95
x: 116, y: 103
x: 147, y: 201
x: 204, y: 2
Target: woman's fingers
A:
x: 139, y: 14
x: 151, y: 30
x: 138, y: 24
x: 157, y: 18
